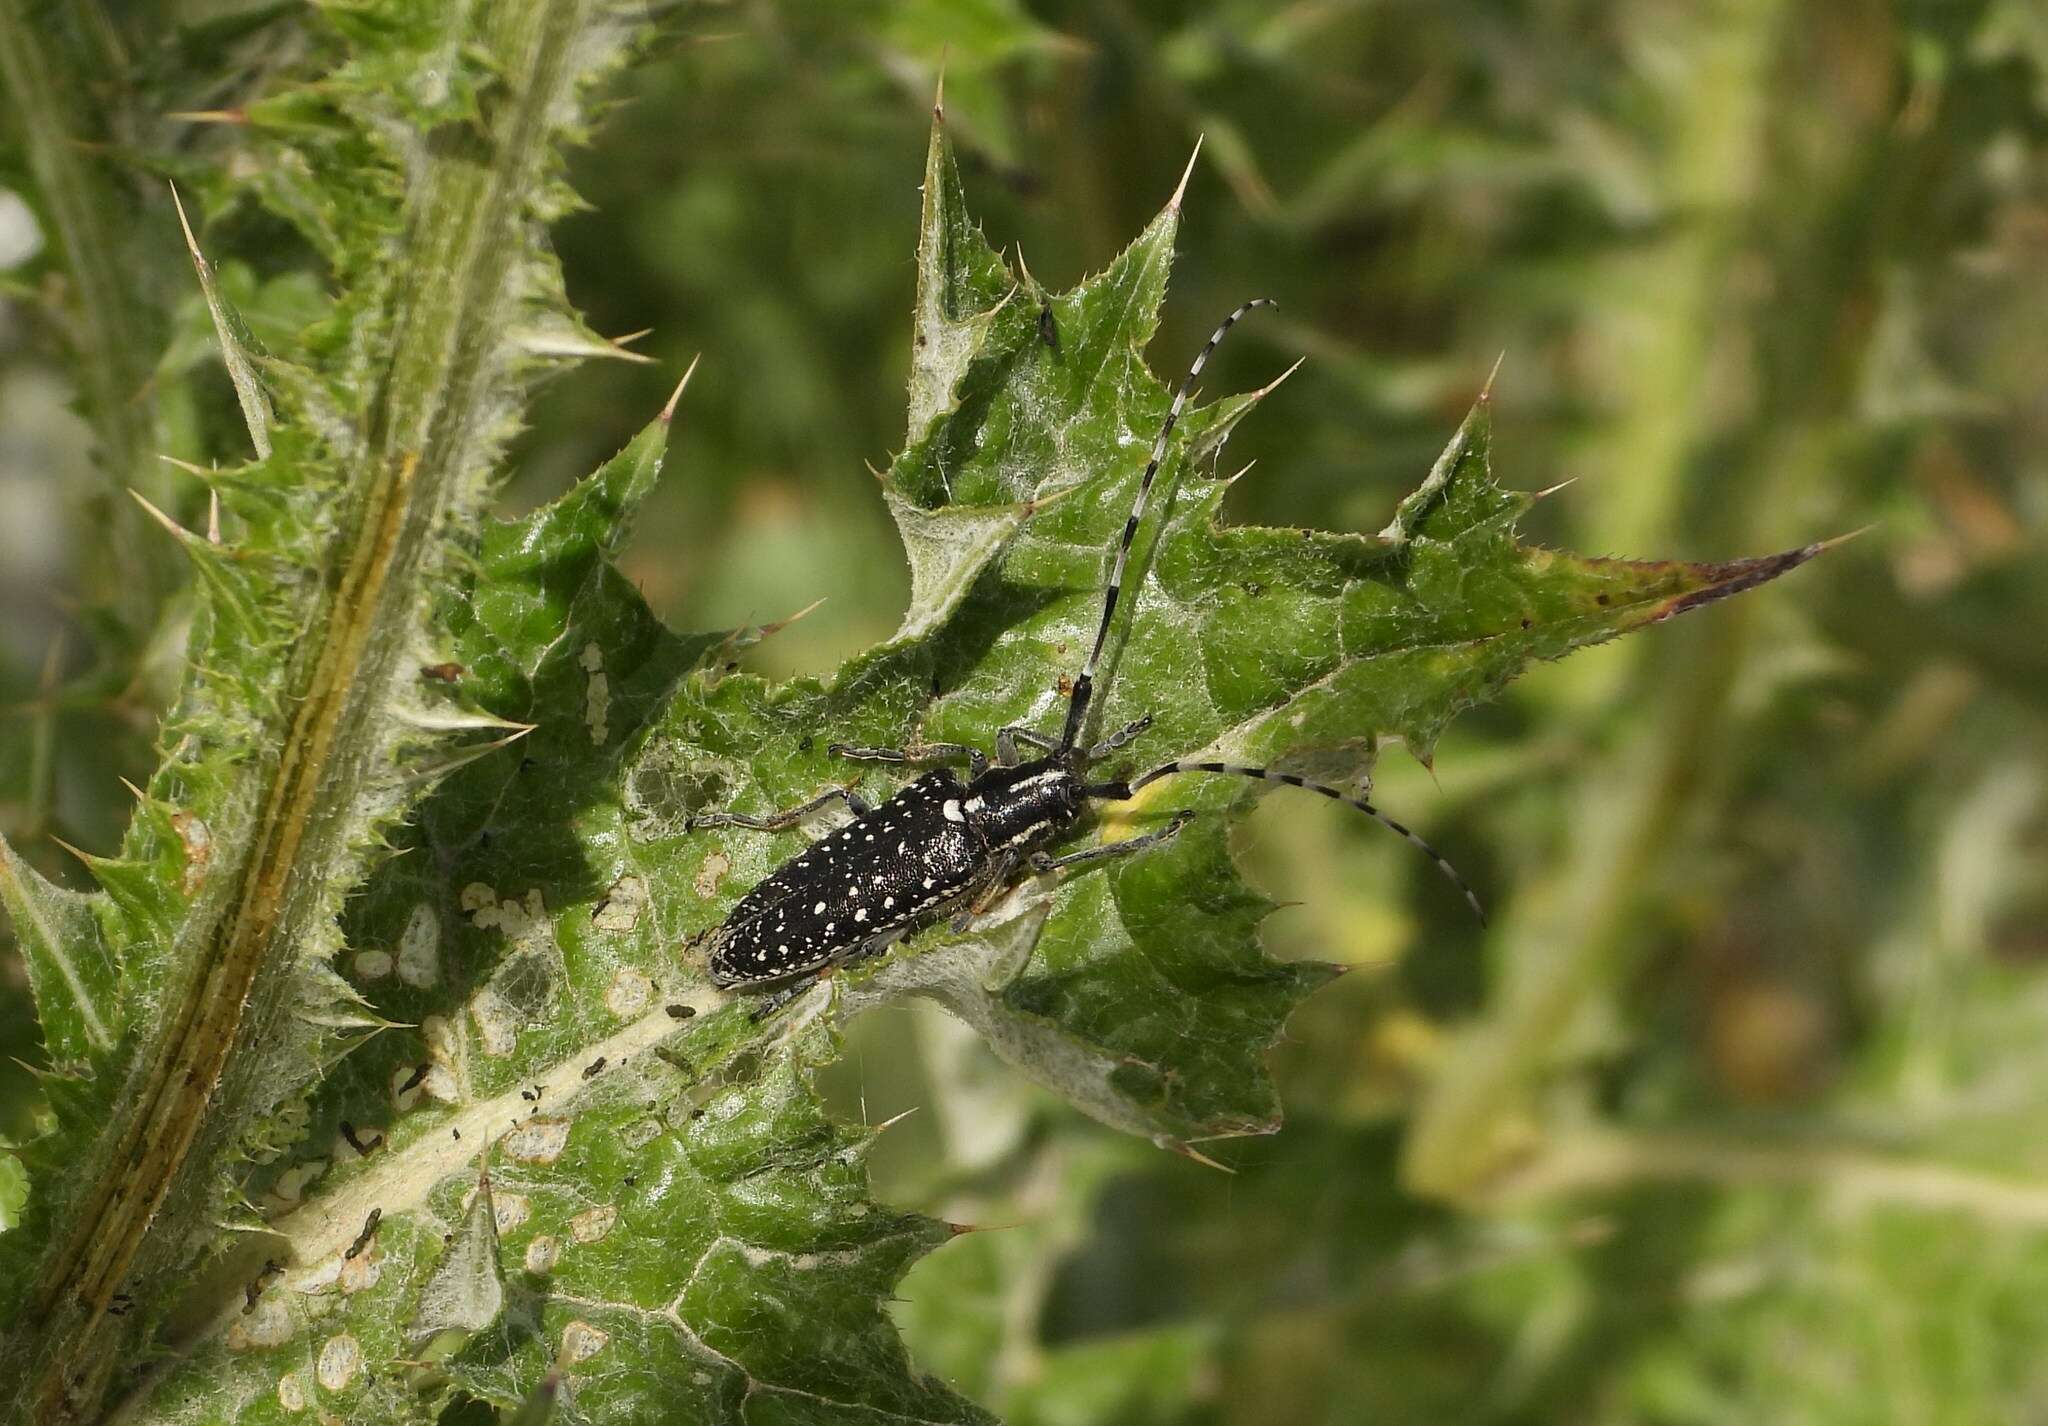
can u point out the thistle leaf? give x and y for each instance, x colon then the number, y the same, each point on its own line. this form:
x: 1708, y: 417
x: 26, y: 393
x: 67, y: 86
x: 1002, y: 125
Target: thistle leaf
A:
x: 680, y: 1230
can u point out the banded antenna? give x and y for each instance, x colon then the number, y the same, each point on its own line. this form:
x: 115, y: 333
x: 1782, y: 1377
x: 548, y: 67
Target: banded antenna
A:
x: 1084, y: 686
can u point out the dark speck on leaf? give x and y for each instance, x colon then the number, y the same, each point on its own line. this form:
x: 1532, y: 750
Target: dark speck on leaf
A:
x: 681, y: 1012
x: 594, y: 1068
x: 1527, y: 622
x: 363, y: 1238
x: 442, y: 672
x: 254, y: 1289
x: 412, y: 1081
x: 1601, y: 600
x: 807, y: 743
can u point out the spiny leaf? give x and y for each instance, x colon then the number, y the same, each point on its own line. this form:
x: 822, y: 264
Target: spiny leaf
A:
x: 239, y: 350
x: 292, y: 748
x: 675, y: 1252
x: 729, y: 1264
x: 71, y: 968
x: 684, y: 1233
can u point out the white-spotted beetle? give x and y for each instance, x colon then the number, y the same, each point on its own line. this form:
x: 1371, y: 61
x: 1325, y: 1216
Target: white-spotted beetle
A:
x: 942, y: 843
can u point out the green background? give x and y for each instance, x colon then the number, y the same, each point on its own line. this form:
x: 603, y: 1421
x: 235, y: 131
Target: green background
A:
x: 1755, y: 1048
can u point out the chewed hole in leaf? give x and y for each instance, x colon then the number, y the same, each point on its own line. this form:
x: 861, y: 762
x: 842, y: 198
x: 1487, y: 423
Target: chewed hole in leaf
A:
x: 673, y: 782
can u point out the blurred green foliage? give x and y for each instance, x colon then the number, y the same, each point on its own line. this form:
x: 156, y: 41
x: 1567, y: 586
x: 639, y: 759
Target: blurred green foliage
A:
x: 1738, y: 1114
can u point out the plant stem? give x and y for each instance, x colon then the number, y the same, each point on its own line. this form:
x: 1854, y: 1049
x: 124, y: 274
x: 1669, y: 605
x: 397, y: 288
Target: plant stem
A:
x: 432, y: 426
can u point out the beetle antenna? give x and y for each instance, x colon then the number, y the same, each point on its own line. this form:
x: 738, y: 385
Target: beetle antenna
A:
x: 1084, y: 686
x: 1266, y: 774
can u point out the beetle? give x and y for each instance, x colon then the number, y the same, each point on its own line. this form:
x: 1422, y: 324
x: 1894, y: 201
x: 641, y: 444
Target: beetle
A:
x: 947, y: 843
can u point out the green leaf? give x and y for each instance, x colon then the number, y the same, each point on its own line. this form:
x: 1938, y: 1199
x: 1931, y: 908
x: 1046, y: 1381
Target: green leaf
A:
x: 190, y: 1004
x: 677, y: 1251
x: 70, y: 965
x: 682, y: 1232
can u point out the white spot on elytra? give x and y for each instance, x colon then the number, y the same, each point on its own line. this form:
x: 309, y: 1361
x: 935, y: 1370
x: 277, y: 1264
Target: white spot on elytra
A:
x: 819, y: 909
x: 542, y: 1254
x: 629, y: 994
x: 537, y: 1141
x: 592, y: 1226
x: 581, y: 1341
x: 340, y: 1358
x: 372, y: 965
x: 620, y: 910
x: 597, y: 700
x: 952, y: 810
x: 419, y: 948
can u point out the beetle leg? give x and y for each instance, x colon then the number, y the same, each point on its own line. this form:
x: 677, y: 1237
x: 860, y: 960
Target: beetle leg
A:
x: 975, y: 758
x: 998, y: 883
x: 774, y: 1000
x: 782, y: 821
x: 1117, y: 739
x: 1040, y: 862
x: 1008, y: 738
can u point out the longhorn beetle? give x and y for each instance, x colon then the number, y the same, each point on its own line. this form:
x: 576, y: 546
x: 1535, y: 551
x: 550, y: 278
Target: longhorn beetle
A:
x: 943, y: 843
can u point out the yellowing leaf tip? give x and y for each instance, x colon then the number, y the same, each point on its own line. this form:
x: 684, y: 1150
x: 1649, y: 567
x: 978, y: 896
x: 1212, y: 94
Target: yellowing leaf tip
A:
x: 668, y: 412
x: 183, y: 535
x: 1274, y: 385
x: 893, y: 1120
x: 191, y: 243
x: 1189, y: 1151
x: 777, y: 626
x: 1180, y: 191
x: 208, y: 116
x: 1486, y: 391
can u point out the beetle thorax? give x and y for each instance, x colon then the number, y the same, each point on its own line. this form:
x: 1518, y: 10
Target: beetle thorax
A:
x: 1021, y: 807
